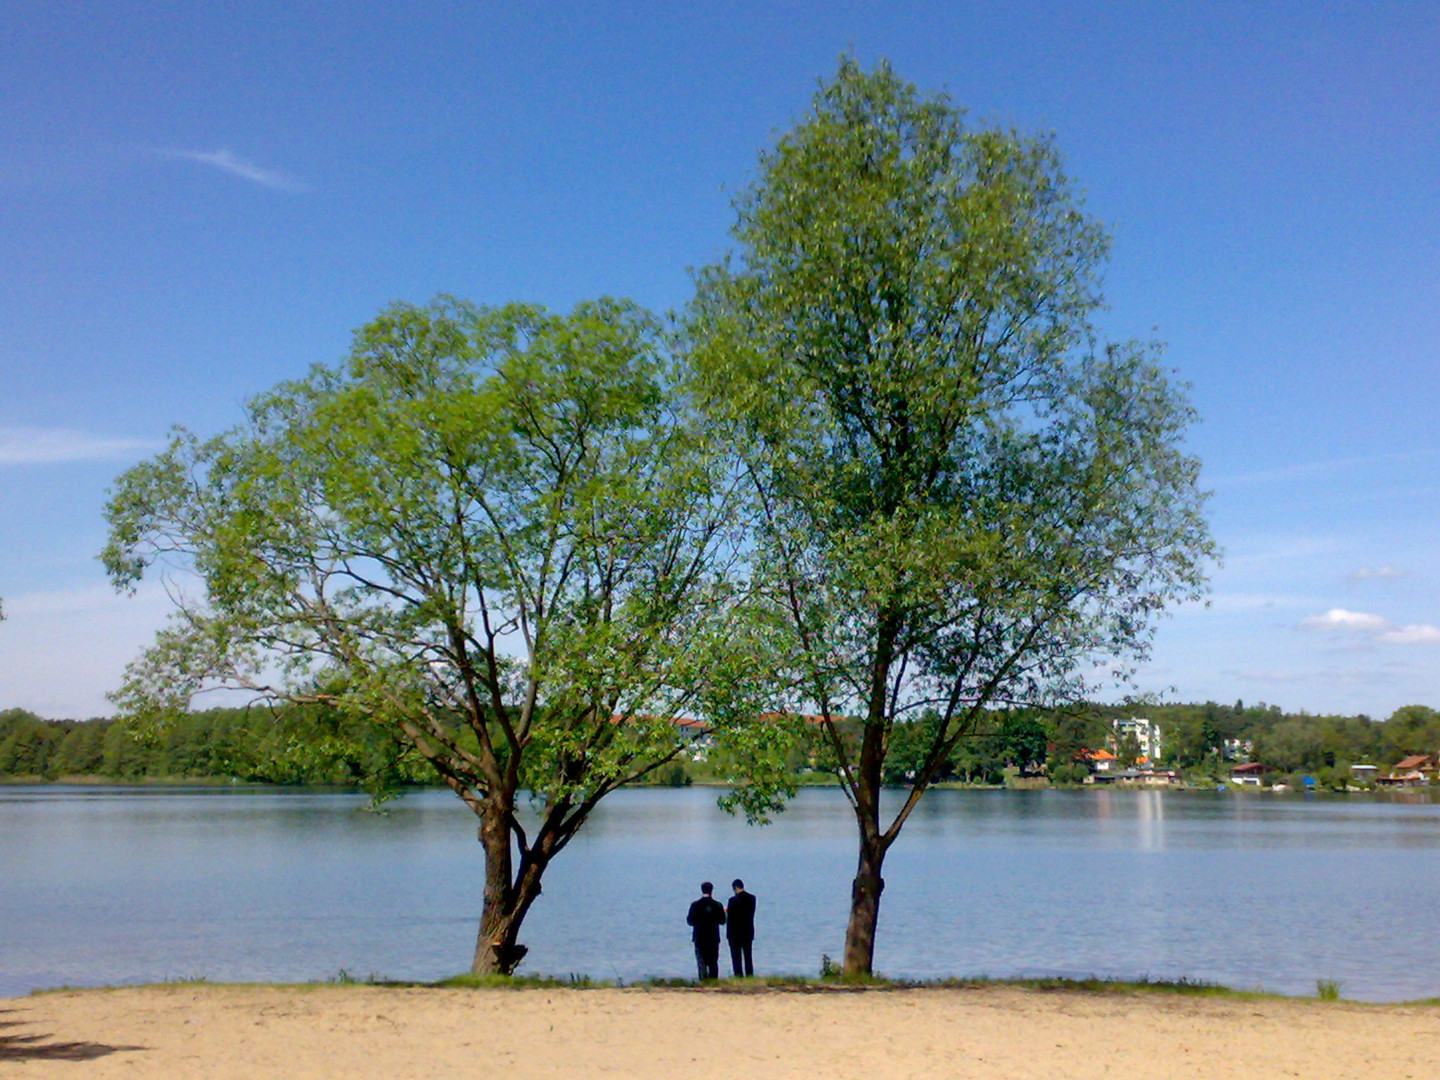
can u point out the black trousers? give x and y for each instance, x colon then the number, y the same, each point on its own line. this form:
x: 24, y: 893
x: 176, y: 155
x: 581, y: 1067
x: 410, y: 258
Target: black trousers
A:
x: 740, y: 958
x: 707, y: 959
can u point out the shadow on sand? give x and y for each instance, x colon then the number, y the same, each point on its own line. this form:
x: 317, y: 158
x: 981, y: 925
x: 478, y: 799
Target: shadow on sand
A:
x: 39, y: 1048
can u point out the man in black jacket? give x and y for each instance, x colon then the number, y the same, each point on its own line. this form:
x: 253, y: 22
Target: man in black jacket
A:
x: 706, y: 916
x: 740, y: 929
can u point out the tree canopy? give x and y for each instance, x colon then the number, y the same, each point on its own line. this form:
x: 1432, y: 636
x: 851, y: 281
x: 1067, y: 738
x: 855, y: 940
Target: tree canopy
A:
x: 965, y: 499
x: 895, y: 478
x: 494, y: 532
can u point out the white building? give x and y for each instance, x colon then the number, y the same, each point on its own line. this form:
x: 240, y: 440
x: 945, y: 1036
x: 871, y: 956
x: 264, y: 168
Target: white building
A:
x: 1146, y: 732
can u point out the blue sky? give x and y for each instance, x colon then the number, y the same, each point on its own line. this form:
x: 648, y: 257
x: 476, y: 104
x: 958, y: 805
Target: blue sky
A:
x: 198, y: 200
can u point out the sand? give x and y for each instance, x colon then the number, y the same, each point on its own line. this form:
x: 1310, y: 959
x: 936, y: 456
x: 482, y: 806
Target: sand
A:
x: 218, y: 1032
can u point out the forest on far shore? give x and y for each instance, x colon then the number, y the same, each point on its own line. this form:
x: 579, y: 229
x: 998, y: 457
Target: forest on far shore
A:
x: 311, y: 745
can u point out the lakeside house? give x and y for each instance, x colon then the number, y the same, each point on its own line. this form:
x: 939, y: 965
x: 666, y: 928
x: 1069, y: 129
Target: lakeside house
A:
x: 1251, y: 774
x: 1415, y: 771
x: 1139, y: 776
x: 1099, y: 761
x: 1105, y: 769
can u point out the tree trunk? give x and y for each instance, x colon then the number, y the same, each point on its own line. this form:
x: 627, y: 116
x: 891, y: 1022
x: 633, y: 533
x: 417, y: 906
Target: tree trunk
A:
x: 507, y: 898
x: 864, y: 910
x: 868, y: 884
x: 496, y: 950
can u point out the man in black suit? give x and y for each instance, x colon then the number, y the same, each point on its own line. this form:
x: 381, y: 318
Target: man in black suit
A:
x: 706, y: 916
x: 740, y: 929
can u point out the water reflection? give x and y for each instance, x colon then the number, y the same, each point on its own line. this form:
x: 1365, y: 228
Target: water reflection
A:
x: 108, y: 885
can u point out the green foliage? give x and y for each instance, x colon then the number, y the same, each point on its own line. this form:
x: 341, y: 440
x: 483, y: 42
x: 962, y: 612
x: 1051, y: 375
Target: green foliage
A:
x: 1061, y: 772
x: 1327, y: 989
x: 1074, y: 729
x: 1310, y: 743
x: 1411, y: 729
x: 28, y: 743
x: 1127, y: 752
x: 489, y: 519
x: 961, y: 495
x: 1001, y: 739
x: 949, y: 489
x: 303, y: 745
x: 1193, y: 736
x: 287, y: 745
x: 496, y: 536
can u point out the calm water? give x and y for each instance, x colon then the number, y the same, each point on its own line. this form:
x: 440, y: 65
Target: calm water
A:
x: 1252, y: 890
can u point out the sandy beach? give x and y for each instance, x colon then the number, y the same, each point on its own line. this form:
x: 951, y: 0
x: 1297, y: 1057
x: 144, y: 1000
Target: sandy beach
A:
x: 221, y: 1032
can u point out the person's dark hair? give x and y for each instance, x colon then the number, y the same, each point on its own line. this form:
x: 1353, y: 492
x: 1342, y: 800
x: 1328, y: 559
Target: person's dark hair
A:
x: 737, y: 884
x: 706, y: 888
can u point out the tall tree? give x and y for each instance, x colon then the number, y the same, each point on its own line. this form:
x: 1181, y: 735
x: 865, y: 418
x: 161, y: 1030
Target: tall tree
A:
x: 1411, y: 729
x: 492, y: 532
x: 964, y: 499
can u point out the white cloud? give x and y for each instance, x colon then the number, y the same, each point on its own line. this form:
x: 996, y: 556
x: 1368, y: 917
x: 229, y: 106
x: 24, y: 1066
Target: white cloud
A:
x: 226, y: 161
x: 1381, y: 573
x: 1378, y: 628
x: 1340, y: 619
x: 48, y: 446
x: 1412, y: 635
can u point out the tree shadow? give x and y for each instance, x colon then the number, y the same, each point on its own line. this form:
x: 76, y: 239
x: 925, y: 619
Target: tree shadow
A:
x: 37, y: 1048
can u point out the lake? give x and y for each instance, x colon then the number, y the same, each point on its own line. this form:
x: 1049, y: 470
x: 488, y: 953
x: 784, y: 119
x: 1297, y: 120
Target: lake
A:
x: 1252, y: 890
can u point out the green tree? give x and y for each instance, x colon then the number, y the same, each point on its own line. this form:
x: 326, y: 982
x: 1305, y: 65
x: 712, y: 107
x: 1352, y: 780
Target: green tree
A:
x: 123, y: 757
x: 26, y: 743
x: 909, y: 742
x: 962, y: 497
x: 1021, y: 740
x: 1210, y: 740
x: 320, y: 743
x: 81, y: 751
x: 1191, y: 734
x: 11, y: 720
x: 1411, y: 729
x: 1072, y: 730
x: 1127, y: 751
x: 492, y: 533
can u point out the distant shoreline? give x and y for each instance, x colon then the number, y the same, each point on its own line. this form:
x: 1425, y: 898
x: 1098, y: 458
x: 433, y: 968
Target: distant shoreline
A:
x: 1028, y: 784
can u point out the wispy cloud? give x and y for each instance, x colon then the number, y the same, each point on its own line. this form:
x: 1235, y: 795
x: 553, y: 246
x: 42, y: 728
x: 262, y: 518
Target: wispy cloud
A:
x: 1375, y: 627
x: 1312, y: 469
x: 84, y: 601
x: 1229, y: 603
x: 1264, y: 550
x: 1278, y: 678
x: 1379, y: 573
x: 1412, y: 635
x: 227, y: 161
x: 48, y: 446
x: 1334, y: 677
